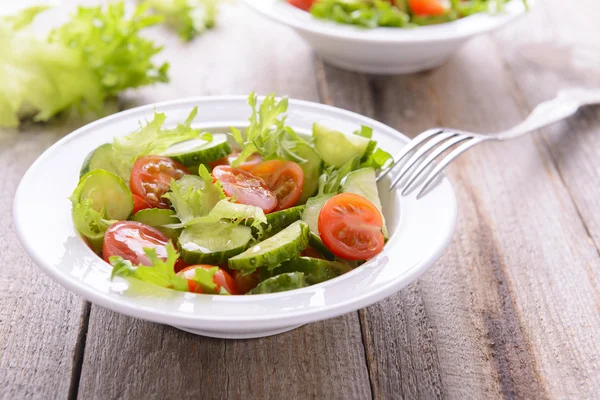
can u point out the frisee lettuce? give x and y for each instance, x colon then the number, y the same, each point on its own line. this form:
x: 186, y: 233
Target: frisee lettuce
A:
x: 97, y: 54
x: 188, y: 17
x: 267, y: 133
x: 331, y: 178
x: 162, y: 272
x: 88, y: 221
x: 232, y: 213
x: 193, y: 196
x: 152, y: 138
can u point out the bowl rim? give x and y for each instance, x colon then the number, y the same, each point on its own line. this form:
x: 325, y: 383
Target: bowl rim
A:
x: 282, y: 12
x: 286, y: 318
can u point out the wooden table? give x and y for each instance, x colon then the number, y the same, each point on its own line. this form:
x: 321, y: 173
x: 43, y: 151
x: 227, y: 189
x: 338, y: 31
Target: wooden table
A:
x: 511, y: 310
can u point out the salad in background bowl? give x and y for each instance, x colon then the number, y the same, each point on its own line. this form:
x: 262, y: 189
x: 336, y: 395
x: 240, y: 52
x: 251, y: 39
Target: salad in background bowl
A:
x: 389, y: 37
x: 183, y: 234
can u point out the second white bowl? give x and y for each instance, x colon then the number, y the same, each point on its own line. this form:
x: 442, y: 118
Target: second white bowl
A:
x: 384, y: 50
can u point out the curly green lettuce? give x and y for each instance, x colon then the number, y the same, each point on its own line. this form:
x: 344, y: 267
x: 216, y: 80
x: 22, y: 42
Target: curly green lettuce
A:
x: 267, y: 133
x: 98, y: 53
x: 162, y: 272
x: 188, y: 18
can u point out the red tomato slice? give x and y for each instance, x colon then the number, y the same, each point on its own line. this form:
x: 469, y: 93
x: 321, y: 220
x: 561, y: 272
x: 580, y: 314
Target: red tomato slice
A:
x: 427, y: 7
x: 350, y: 227
x: 151, y: 178
x: 284, y: 178
x: 222, y: 279
x: 302, y: 4
x: 245, y: 187
x: 247, y: 165
x: 128, y: 240
x: 245, y: 283
x: 139, y: 204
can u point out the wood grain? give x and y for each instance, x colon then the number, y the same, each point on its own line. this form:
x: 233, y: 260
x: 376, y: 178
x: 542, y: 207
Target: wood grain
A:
x: 39, y: 320
x: 499, y: 314
x: 128, y: 358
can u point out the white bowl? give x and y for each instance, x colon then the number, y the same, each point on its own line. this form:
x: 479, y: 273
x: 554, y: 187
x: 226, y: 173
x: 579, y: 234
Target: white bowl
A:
x: 384, y: 50
x: 420, y: 230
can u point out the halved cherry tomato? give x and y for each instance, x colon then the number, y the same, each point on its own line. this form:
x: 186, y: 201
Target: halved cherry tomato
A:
x: 302, y: 4
x: 427, y: 7
x: 350, y: 227
x: 284, y: 178
x: 247, y: 165
x: 245, y: 187
x: 151, y: 178
x: 139, y: 204
x: 222, y: 279
x: 128, y: 240
x: 245, y: 283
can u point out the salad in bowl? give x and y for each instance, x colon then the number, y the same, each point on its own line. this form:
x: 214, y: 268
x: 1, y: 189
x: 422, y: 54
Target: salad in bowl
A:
x: 157, y: 198
x: 181, y: 209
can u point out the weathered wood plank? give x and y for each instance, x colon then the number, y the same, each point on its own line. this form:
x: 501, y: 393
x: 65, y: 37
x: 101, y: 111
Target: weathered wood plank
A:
x: 499, y: 314
x: 136, y: 359
x: 39, y: 320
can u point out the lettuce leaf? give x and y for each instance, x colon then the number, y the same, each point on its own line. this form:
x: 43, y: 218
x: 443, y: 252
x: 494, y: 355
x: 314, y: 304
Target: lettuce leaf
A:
x: 97, y: 54
x: 365, y: 14
x: 152, y: 138
x: 112, y: 47
x: 373, y: 157
x: 267, y: 133
x: 233, y: 213
x: 331, y: 178
x: 88, y: 221
x: 40, y: 79
x: 162, y: 272
x: 188, y: 17
x: 193, y: 197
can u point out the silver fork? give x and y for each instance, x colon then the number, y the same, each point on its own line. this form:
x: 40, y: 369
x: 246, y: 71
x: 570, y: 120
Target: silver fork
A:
x: 429, y: 145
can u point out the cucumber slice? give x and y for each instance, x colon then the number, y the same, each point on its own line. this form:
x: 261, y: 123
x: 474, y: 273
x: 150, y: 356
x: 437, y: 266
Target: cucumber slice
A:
x: 313, y: 208
x: 213, y: 245
x: 314, y: 269
x: 104, y: 157
x: 197, y: 151
x: 156, y: 218
x: 281, y: 283
x: 363, y: 182
x: 311, y: 169
x: 279, y: 220
x: 108, y: 192
x: 271, y: 252
x: 337, y: 148
x: 316, y: 243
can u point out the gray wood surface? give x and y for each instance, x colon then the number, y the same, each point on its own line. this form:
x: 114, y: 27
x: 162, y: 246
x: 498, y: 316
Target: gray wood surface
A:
x: 511, y: 310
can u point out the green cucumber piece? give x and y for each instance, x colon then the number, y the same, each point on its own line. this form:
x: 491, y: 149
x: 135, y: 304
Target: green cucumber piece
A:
x: 156, y: 218
x: 197, y: 151
x: 108, y: 192
x: 279, y: 220
x: 213, y: 244
x: 363, y: 182
x: 104, y: 157
x: 280, y: 283
x: 271, y: 252
x: 315, y: 270
x: 316, y: 243
x: 313, y: 208
x: 337, y: 148
x: 311, y: 169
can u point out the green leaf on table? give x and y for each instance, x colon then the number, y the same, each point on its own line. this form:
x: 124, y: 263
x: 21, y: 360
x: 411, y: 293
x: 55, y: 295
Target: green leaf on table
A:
x: 188, y: 17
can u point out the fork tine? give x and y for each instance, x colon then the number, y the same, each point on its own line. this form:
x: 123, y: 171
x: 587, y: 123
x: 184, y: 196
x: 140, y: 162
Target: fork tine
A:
x: 447, y: 160
x: 435, y: 154
x: 419, y: 154
x: 409, y: 147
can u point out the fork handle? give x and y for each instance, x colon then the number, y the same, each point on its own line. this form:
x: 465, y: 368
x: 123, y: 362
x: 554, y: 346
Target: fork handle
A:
x: 562, y: 106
